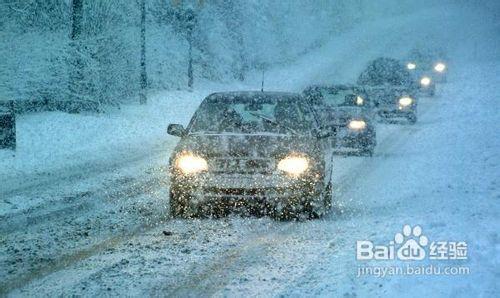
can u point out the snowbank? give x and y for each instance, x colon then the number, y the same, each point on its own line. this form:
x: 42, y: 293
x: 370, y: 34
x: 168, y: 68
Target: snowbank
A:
x: 55, y: 143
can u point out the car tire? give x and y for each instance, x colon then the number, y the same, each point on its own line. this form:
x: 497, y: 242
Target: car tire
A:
x: 368, y: 151
x: 412, y: 118
x: 180, y: 206
x: 369, y: 148
x: 327, y: 197
x: 287, y: 211
x: 325, y: 204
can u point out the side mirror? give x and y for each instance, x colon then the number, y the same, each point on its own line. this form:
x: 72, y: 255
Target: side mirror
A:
x: 324, y: 132
x: 176, y: 130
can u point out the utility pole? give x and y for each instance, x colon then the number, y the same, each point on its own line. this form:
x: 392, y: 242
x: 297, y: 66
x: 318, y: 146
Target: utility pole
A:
x: 188, y: 17
x: 76, y: 64
x: 190, y: 21
x: 144, y: 75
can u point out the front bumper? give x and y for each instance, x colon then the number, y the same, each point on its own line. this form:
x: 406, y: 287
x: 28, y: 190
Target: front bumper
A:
x: 346, y: 138
x: 249, y: 188
x: 440, y: 77
x: 391, y: 112
x: 427, y: 90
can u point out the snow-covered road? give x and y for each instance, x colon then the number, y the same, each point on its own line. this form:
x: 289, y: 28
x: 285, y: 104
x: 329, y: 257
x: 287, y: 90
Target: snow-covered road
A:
x: 107, y: 231
x: 414, y: 178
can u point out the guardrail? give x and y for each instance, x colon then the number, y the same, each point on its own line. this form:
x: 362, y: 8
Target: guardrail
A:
x: 23, y: 106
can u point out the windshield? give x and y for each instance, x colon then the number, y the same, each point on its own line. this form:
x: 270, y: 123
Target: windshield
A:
x: 383, y: 71
x: 337, y: 97
x: 249, y: 115
x: 425, y: 57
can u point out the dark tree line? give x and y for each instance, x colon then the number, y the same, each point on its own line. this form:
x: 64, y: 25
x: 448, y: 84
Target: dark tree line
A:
x: 91, y: 55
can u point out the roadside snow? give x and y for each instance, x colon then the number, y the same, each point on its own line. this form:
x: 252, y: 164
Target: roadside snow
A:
x: 441, y: 173
x: 53, y: 146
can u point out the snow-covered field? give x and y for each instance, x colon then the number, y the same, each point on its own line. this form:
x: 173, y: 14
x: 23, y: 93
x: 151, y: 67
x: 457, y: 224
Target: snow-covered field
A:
x: 84, y: 205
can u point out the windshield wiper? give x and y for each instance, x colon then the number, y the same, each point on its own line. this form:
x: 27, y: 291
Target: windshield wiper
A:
x: 274, y: 122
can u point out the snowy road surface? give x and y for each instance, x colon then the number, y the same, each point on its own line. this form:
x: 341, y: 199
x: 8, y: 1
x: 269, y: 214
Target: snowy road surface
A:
x: 118, y: 239
x: 106, y: 230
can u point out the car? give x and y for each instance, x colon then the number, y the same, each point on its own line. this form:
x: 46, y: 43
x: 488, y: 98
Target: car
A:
x: 391, y: 88
x: 348, y: 112
x: 260, y: 151
x: 427, y: 85
x: 430, y: 63
x: 7, y: 125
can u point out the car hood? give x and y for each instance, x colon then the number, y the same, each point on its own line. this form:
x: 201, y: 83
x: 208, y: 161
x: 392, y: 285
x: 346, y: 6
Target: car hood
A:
x: 342, y: 115
x: 263, y: 145
x: 389, y: 95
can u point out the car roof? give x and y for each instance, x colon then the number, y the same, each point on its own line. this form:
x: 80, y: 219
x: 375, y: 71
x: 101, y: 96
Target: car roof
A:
x: 254, y: 93
x: 336, y: 86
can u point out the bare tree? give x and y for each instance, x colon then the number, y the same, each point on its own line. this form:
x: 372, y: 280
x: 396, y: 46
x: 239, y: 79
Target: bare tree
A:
x: 76, y: 65
x: 189, y: 19
x: 144, y: 75
x: 190, y: 22
x: 234, y: 22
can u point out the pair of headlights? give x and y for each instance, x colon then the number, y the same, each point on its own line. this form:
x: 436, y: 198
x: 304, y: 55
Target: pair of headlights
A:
x: 189, y: 164
x: 439, y: 67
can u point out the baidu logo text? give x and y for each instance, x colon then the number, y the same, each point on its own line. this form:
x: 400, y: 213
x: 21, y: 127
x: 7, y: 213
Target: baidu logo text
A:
x: 411, y: 245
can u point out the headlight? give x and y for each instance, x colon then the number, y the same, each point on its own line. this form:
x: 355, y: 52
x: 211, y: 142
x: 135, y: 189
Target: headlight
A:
x: 411, y: 66
x: 439, y: 67
x: 357, y: 124
x: 405, y: 101
x: 425, y: 81
x: 189, y: 163
x: 359, y: 100
x: 293, y: 165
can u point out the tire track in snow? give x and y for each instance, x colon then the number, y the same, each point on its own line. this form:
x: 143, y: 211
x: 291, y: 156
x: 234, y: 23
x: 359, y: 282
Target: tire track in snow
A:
x: 72, y: 205
x: 60, y: 262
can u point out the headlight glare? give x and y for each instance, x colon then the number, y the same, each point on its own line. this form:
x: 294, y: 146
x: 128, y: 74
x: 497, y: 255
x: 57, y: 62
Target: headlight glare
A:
x: 357, y: 124
x: 359, y: 100
x: 440, y: 67
x: 189, y: 163
x: 425, y: 81
x: 293, y: 165
x: 405, y: 101
x: 411, y: 66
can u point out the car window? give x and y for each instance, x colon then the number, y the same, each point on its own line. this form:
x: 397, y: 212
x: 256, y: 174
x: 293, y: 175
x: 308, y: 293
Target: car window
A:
x: 385, y: 71
x: 309, y: 116
x: 337, y: 97
x: 240, y: 115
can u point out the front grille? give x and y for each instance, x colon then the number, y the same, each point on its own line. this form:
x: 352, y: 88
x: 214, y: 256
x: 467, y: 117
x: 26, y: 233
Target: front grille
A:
x: 234, y: 191
x: 253, y: 194
x: 241, y: 166
x: 339, y: 122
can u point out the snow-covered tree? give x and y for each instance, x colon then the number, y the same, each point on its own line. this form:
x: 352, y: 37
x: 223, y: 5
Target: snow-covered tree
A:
x: 47, y: 66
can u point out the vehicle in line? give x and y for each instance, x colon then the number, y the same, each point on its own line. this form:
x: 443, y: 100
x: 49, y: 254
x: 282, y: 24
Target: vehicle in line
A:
x: 391, y: 88
x: 348, y: 112
x: 261, y: 152
x: 427, y: 63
